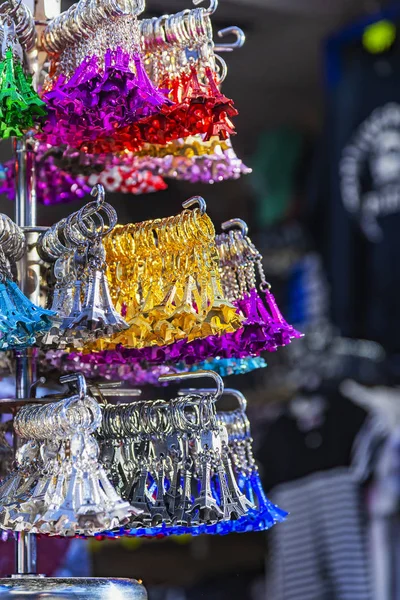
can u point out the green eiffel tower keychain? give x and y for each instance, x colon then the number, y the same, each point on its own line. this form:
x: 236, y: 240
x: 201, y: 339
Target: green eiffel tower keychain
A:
x: 20, y: 106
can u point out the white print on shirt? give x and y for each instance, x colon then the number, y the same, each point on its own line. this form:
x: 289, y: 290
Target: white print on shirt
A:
x: 369, y: 170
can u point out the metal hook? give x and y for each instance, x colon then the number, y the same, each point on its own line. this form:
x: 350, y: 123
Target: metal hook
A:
x: 113, y: 390
x: 80, y: 381
x: 33, y: 387
x: 234, y: 30
x: 227, y: 392
x: 98, y: 192
x: 211, y: 9
x: 196, y: 200
x: 236, y: 223
x: 197, y: 375
x: 222, y: 69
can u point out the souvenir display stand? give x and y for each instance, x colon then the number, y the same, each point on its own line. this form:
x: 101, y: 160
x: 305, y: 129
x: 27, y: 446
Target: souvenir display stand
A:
x: 152, y: 302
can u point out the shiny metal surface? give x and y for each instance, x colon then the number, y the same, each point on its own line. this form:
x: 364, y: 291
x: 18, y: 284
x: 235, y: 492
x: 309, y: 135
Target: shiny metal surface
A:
x: 25, y: 206
x: 52, y: 588
x: 25, y: 553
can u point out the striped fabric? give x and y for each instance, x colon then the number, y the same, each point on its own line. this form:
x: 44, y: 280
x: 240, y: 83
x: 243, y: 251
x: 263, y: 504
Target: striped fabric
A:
x: 320, y: 552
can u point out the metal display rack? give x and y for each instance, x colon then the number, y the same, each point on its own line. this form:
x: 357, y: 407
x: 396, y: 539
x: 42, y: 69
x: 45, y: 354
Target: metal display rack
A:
x: 25, y: 582
x: 72, y: 492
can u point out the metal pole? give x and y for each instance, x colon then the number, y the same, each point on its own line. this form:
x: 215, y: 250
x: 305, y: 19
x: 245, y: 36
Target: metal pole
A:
x: 29, y: 278
x: 28, y: 269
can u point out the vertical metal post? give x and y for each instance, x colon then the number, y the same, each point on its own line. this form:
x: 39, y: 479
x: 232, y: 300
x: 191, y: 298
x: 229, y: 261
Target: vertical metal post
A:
x: 29, y: 279
x: 28, y: 269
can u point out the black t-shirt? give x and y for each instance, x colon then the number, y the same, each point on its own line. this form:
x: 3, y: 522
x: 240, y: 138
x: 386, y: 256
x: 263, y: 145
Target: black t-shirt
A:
x: 288, y: 453
x: 355, y: 196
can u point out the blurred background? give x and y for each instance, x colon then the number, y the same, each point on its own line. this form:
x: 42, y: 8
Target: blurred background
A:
x: 317, y: 86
